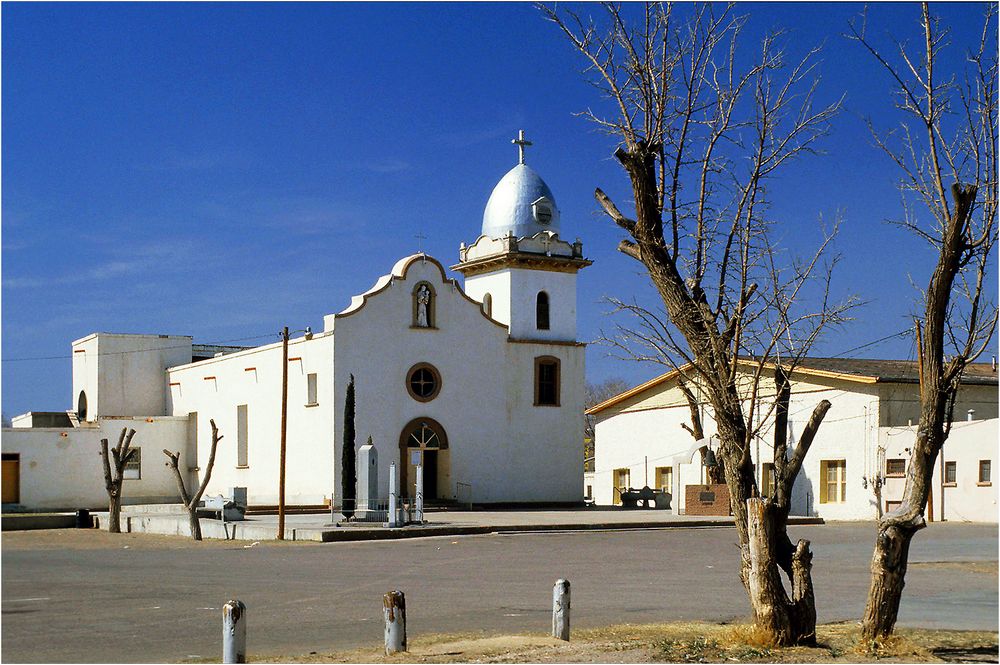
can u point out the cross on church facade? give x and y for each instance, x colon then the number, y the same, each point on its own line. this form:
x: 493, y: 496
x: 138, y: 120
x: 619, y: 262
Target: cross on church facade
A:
x: 419, y: 237
x: 521, y: 144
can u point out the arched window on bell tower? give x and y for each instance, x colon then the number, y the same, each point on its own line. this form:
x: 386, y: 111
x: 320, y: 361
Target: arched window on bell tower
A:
x: 542, y: 311
x: 488, y: 304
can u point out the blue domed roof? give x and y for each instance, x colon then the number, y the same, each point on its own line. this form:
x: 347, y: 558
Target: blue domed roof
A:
x: 521, y: 204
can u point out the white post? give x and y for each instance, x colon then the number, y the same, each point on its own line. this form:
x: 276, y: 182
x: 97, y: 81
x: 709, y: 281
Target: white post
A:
x: 234, y: 632
x: 393, y: 513
x: 394, y: 609
x: 420, y: 493
x: 560, y: 610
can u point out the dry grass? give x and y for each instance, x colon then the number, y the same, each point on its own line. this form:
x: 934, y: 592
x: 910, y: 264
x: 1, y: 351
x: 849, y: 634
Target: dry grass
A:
x: 694, y: 642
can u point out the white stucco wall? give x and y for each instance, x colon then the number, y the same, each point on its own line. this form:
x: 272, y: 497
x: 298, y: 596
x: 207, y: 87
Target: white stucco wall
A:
x: 506, y: 448
x: 967, y: 500
x: 515, y: 291
x: 123, y: 375
x: 497, y: 284
x: 253, y: 378
x: 61, y: 468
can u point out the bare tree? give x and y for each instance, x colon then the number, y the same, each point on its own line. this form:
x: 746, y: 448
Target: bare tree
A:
x: 701, y: 134
x: 947, y: 133
x: 120, y: 456
x: 191, y: 502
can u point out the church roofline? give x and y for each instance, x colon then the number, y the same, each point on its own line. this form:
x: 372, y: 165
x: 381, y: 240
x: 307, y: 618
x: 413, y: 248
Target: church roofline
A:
x: 398, y: 273
x: 521, y: 260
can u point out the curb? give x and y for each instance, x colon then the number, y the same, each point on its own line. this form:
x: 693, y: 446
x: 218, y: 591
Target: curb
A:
x: 29, y: 522
x: 347, y: 535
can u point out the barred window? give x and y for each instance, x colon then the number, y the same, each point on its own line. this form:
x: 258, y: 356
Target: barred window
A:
x: 895, y: 468
x: 133, y: 468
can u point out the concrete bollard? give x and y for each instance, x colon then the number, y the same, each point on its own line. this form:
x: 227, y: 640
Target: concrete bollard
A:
x: 234, y: 632
x: 394, y: 609
x: 560, y: 610
x: 393, y: 520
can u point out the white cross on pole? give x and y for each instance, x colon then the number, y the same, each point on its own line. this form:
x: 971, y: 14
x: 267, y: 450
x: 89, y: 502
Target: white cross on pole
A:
x: 521, y: 144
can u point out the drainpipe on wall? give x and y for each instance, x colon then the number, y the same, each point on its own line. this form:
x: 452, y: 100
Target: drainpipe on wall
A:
x: 941, y: 458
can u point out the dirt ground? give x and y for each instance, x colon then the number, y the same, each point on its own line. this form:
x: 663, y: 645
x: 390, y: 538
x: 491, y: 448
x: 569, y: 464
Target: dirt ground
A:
x: 672, y: 643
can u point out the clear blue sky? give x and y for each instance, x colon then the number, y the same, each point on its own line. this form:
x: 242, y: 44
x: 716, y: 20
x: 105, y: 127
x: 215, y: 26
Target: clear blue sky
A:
x: 221, y: 170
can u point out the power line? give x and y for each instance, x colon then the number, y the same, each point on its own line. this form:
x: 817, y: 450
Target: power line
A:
x: 159, y: 348
x: 901, y: 333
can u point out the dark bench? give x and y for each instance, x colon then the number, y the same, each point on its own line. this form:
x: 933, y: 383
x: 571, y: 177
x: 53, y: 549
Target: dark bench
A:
x: 631, y: 498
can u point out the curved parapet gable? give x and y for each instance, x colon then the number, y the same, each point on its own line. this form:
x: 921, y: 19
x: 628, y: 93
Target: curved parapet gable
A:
x: 398, y: 274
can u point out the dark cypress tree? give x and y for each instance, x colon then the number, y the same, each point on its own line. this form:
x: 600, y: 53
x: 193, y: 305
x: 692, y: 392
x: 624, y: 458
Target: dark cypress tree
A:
x: 348, y: 468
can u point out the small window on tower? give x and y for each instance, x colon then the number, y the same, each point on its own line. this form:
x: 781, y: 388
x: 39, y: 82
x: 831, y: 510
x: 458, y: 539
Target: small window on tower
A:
x: 542, y: 210
x: 542, y: 311
x: 488, y: 304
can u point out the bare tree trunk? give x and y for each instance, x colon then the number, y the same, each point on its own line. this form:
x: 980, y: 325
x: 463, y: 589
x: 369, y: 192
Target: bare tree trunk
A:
x: 671, y: 113
x: 195, y: 523
x: 114, y: 462
x: 959, y: 319
x: 115, y: 514
x: 938, y: 386
x: 892, y: 544
x: 191, y: 502
x: 766, y: 592
x: 787, y: 620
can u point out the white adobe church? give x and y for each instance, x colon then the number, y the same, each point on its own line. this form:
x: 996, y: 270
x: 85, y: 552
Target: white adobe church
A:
x: 482, y: 385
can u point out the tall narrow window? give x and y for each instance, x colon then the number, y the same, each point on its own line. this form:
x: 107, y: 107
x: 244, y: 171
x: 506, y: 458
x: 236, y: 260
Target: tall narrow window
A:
x: 81, y: 406
x: 950, y: 473
x: 833, y: 481
x: 242, y: 436
x: 542, y: 311
x: 488, y: 304
x: 546, y: 381
x: 311, y: 393
x: 984, y: 472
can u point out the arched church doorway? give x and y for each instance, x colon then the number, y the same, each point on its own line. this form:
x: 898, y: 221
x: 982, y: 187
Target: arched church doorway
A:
x: 423, y: 442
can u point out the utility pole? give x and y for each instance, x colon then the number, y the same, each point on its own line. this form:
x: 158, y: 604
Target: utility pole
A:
x: 284, y: 427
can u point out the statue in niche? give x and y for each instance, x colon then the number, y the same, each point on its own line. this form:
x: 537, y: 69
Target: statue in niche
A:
x: 423, y: 296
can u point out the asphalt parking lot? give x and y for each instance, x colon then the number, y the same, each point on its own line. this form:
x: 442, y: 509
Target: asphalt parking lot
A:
x: 94, y: 597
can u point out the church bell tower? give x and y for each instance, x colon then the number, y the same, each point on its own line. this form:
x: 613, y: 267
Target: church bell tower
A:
x: 519, y: 268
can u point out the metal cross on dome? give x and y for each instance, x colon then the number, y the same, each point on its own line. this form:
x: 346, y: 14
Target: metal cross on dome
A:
x: 521, y: 144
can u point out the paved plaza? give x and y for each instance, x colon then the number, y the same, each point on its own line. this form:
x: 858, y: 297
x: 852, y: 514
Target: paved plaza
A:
x: 89, y: 596
x: 329, y: 527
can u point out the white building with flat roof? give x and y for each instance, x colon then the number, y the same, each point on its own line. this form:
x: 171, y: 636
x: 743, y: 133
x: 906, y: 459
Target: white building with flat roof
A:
x: 481, y: 386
